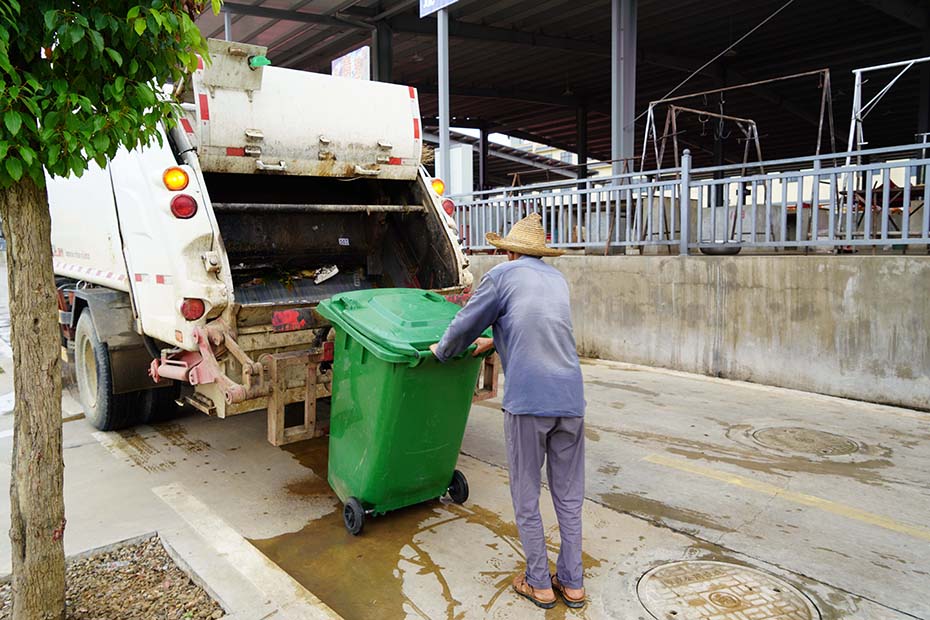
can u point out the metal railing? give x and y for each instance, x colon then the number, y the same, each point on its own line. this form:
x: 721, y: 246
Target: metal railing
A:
x: 836, y: 201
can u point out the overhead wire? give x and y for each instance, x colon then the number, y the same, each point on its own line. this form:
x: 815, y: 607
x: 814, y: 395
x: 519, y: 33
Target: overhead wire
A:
x: 718, y: 56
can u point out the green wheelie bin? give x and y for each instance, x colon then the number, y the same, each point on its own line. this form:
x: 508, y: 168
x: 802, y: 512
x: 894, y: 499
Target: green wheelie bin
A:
x: 398, y: 415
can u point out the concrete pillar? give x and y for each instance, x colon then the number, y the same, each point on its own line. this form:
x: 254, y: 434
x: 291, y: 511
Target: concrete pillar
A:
x: 483, y: 159
x: 622, y: 80
x: 581, y: 140
x: 442, y: 58
x: 923, y: 120
x: 383, y: 52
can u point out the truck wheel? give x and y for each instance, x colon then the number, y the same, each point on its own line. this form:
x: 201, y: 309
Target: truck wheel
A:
x: 104, y: 410
x: 158, y: 404
x: 353, y: 515
x: 458, y: 488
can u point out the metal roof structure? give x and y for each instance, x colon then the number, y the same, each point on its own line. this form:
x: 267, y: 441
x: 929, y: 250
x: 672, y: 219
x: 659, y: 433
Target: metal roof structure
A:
x: 526, y: 67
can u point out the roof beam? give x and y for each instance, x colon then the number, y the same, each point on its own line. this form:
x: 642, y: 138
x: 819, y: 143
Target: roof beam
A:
x: 504, y: 93
x: 465, y: 30
x: 237, y: 8
x: 912, y: 13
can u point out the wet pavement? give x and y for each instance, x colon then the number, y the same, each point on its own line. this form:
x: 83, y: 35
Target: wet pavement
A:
x: 782, y: 504
x: 676, y: 471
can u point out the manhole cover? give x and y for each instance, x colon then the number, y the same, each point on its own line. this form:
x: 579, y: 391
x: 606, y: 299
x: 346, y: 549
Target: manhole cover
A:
x: 707, y: 590
x: 805, y: 440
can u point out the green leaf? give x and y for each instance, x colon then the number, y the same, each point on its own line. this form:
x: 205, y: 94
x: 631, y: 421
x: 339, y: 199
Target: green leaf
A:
x: 133, y: 12
x: 13, y: 121
x: 4, y: 147
x: 50, y: 19
x: 52, y: 153
x: 14, y: 168
x: 77, y: 34
x: 27, y: 154
x: 115, y: 56
x: 139, y: 25
x: 96, y: 39
x: 101, y: 142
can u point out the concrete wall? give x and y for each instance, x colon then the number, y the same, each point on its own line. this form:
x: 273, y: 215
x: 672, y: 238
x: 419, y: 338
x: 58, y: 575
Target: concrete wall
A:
x: 851, y: 326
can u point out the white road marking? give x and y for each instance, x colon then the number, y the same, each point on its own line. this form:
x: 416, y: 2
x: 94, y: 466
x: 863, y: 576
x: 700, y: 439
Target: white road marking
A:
x: 292, y: 599
x: 7, y: 402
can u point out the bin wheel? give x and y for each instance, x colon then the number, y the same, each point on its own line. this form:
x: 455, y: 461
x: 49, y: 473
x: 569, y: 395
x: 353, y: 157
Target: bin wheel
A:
x: 458, y: 488
x: 353, y: 515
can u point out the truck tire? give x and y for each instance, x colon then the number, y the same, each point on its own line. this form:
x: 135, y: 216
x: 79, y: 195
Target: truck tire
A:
x: 158, y: 404
x: 105, y: 410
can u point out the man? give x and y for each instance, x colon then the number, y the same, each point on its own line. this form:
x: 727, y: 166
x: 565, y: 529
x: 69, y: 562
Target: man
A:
x: 526, y: 302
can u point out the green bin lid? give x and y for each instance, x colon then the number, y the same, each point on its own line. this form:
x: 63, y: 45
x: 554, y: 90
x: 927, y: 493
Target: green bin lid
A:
x: 395, y: 323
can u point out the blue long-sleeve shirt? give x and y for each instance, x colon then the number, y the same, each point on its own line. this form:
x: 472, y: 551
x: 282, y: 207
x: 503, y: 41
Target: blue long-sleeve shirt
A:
x: 526, y: 303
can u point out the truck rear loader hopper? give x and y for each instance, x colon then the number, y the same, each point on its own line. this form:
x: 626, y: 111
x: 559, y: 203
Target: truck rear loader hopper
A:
x: 191, y: 270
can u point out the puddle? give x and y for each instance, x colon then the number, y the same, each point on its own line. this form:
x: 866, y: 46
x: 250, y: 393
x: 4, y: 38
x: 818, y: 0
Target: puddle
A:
x: 432, y: 560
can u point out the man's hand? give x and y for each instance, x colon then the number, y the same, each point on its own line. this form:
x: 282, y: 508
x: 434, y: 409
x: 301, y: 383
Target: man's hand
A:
x: 483, y: 345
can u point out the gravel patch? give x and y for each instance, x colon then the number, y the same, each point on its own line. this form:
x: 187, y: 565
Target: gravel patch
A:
x: 136, y: 581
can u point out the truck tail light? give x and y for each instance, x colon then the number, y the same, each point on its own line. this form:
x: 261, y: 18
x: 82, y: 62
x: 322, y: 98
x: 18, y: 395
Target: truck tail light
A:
x: 439, y: 186
x: 183, y: 207
x: 175, y: 179
x: 448, y: 206
x: 192, y: 309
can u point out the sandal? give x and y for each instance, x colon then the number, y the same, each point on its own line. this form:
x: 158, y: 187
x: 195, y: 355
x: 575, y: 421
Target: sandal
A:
x: 529, y: 592
x: 574, y: 603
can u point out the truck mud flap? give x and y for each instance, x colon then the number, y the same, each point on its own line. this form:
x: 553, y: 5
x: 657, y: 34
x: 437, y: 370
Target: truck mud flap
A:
x: 111, y: 312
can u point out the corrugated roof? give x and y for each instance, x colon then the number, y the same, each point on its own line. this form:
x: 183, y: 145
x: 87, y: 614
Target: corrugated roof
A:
x: 523, y: 66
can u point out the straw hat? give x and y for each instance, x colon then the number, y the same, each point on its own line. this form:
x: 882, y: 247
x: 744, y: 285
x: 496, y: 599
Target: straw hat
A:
x: 526, y: 237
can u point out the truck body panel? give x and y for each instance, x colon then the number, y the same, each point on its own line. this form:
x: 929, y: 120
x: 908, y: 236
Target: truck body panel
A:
x: 306, y: 185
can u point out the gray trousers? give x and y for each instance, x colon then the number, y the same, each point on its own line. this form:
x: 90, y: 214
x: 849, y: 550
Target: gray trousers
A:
x: 560, y: 443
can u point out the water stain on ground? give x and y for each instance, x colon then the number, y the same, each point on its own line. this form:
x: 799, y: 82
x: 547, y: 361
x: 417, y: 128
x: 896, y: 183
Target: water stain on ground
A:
x: 657, y: 512
x: 364, y: 576
x: 139, y: 451
x: 609, y: 469
x: 629, y: 387
x: 176, y: 435
x: 866, y: 471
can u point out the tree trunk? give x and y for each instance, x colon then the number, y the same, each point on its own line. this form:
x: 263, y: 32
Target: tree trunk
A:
x: 37, y: 508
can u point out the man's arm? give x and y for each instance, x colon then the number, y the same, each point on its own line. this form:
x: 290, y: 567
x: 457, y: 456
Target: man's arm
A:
x: 478, y: 314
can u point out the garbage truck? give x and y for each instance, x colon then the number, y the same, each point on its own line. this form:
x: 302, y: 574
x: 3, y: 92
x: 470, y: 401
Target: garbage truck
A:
x: 189, y: 271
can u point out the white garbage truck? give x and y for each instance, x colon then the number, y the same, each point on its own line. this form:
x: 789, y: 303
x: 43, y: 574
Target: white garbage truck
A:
x: 189, y: 271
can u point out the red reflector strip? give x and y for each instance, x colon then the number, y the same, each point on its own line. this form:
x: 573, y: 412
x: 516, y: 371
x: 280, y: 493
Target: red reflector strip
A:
x: 395, y: 161
x: 329, y: 349
x: 199, y: 63
x: 416, y: 129
x: 138, y: 277
x: 233, y: 151
x: 413, y: 92
x: 204, y: 108
x: 159, y: 279
x: 186, y: 124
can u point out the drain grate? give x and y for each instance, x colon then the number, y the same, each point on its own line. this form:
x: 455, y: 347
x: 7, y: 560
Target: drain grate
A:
x: 709, y: 590
x: 805, y: 441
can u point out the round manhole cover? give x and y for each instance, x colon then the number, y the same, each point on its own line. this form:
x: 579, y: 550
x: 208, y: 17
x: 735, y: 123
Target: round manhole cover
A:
x: 805, y: 440
x: 707, y: 590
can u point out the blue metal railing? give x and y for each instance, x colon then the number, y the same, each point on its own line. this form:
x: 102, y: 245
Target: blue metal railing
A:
x: 825, y: 201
